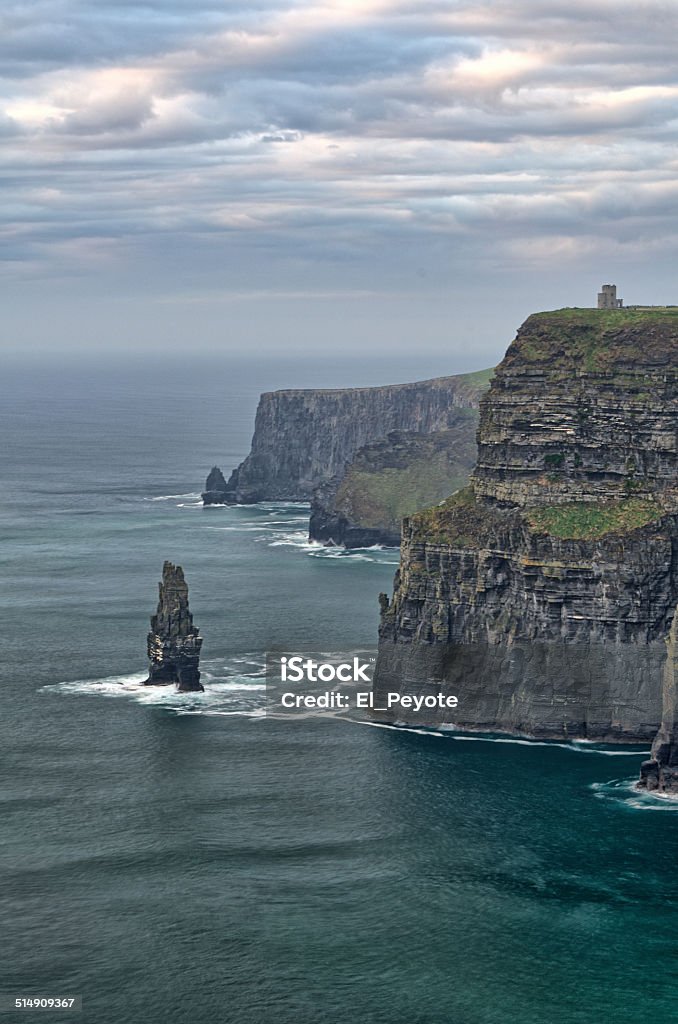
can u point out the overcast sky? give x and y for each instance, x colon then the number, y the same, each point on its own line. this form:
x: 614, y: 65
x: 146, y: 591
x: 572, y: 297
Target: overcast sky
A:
x: 347, y: 175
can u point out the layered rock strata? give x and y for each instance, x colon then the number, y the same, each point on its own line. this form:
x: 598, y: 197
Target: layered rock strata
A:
x: 541, y: 595
x: 391, y: 478
x: 174, y: 642
x: 305, y: 438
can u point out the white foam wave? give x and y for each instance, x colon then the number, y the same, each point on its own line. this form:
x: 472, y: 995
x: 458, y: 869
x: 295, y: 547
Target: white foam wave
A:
x: 451, y: 733
x: 299, y: 540
x: 244, y: 659
x: 211, y: 713
x: 575, y: 748
x: 240, y: 528
x: 289, y: 521
x: 238, y: 687
x: 171, y: 497
x: 294, y: 539
x: 370, y: 554
x: 232, y: 691
x: 111, y: 686
x: 396, y: 728
x: 280, y: 507
x: 346, y: 556
x: 624, y: 793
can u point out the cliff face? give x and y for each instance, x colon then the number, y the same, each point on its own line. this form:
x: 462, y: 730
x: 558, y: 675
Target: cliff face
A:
x: 391, y: 478
x: 303, y: 439
x: 584, y: 407
x: 541, y: 595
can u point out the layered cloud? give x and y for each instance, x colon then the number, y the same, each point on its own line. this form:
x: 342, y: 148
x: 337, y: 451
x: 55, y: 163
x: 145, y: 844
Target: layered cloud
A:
x: 302, y: 145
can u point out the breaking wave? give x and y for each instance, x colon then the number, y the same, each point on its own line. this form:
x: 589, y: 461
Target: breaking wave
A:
x: 624, y: 794
x: 299, y: 539
x: 280, y: 525
x: 233, y: 687
x: 171, y: 497
x: 449, y: 732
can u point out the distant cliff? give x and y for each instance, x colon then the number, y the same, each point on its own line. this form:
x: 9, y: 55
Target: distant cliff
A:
x: 541, y: 595
x: 305, y: 438
x: 392, y: 478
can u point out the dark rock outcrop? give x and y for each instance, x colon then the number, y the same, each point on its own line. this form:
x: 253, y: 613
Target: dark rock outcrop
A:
x: 540, y: 596
x: 174, y: 642
x: 391, y: 478
x: 660, y: 773
x: 306, y: 438
x: 216, y: 489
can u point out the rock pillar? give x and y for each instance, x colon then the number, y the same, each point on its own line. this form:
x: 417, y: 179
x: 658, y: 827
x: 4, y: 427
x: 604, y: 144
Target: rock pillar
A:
x: 661, y: 771
x: 174, y: 642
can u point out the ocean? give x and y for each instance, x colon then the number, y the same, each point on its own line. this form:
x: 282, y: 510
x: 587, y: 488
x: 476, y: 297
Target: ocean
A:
x: 191, y: 859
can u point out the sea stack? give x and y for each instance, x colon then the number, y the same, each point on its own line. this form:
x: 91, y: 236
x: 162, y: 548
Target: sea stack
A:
x: 174, y: 642
x: 216, y: 489
x: 661, y: 771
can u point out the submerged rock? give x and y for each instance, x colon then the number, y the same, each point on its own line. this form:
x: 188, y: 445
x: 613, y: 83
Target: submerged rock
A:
x: 216, y: 489
x: 174, y: 642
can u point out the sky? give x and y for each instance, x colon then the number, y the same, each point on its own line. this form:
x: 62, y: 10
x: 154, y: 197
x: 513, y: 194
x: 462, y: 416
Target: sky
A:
x: 347, y: 176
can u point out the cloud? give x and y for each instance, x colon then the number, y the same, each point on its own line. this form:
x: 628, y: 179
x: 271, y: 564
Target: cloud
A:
x: 310, y: 143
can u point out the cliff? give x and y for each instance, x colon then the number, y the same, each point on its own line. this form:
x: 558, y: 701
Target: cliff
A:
x: 303, y: 439
x: 390, y: 479
x: 540, y: 596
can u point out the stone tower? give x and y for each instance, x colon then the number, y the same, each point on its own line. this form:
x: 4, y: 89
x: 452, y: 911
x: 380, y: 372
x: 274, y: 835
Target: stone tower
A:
x: 607, y: 297
x: 174, y: 642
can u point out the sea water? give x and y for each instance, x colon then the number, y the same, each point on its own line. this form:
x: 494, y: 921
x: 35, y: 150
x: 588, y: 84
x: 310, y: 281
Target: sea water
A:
x: 181, y: 858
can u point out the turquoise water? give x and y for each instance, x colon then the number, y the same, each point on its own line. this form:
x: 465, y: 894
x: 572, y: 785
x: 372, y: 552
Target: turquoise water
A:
x: 190, y: 859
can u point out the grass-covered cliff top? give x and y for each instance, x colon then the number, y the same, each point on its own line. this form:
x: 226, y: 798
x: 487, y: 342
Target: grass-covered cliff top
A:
x: 597, y: 340
x: 462, y: 521
x: 479, y: 378
x: 406, y: 471
x: 592, y: 520
x: 472, y: 384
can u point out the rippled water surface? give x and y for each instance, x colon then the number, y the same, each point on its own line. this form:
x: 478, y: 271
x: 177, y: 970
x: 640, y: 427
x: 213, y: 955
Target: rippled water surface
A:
x: 188, y: 858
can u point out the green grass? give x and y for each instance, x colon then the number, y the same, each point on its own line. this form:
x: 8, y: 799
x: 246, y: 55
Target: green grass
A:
x: 382, y: 499
x: 463, y: 522
x: 589, y: 521
x: 459, y: 521
x: 599, y: 340
x: 479, y: 378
